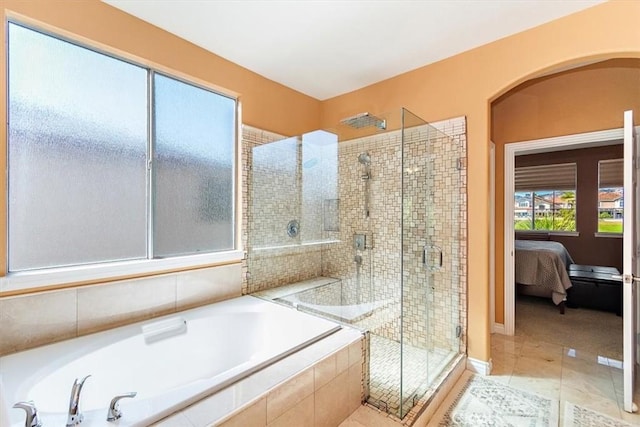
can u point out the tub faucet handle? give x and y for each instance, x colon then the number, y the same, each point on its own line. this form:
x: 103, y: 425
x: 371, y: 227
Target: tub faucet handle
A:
x: 32, y: 419
x: 114, y: 412
x: 75, y: 416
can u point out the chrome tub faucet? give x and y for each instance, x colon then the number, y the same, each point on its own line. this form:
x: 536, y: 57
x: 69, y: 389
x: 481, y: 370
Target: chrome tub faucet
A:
x: 75, y: 416
x: 31, y: 419
x: 114, y: 413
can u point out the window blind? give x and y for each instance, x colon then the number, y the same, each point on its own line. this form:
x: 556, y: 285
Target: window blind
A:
x: 546, y: 177
x: 611, y: 173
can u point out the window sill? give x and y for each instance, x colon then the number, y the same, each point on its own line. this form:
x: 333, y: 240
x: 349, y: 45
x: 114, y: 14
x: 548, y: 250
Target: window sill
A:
x: 564, y: 233
x: 548, y: 232
x: 609, y: 235
x: 96, y: 273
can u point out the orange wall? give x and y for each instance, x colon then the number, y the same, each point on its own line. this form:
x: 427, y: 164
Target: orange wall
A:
x: 588, y: 98
x: 466, y: 84
x: 582, y: 100
x: 265, y: 104
x: 462, y: 85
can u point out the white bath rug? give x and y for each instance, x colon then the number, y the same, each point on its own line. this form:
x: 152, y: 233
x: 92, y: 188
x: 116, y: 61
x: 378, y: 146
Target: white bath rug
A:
x: 578, y: 416
x: 483, y: 403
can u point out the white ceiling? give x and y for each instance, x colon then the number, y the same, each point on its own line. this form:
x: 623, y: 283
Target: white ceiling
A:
x: 325, y: 48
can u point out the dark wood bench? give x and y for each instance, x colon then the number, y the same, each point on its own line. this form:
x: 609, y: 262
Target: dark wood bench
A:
x: 594, y: 288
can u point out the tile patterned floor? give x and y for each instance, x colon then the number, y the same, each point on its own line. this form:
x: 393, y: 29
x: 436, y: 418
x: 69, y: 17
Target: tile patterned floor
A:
x: 482, y: 402
x: 574, y: 358
x: 561, y: 372
x: 587, y: 330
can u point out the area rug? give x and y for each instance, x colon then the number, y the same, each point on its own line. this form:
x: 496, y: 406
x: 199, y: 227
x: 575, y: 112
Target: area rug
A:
x: 578, y: 416
x: 483, y: 402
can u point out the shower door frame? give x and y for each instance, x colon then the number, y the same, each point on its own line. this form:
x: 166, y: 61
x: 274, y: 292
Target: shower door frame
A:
x: 420, y: 255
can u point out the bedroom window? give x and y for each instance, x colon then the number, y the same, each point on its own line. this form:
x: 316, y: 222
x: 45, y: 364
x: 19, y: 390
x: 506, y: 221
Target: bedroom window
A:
x: 110, y: 161
x: 610, y: 196
x: 545, y: 197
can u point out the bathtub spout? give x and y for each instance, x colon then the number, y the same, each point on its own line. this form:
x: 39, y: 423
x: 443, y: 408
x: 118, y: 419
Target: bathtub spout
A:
x: 32, y: 419
x: 75, y: 416
x: 114, y: 413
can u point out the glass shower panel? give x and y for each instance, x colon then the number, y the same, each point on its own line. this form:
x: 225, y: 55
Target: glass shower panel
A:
x: 319, y: 185
x: 380, y: 241
x: 367, y: 259
x: 275, y: 218
x: 431, y: 256
x: 417, y: 248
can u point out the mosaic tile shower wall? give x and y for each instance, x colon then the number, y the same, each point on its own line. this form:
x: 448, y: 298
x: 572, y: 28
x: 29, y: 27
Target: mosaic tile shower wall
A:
x: 379, y: 278
x: 434, y: 224
x: 290, y: 198
x: 454, y: 234
x: 371, y: 274
x: 274, y: 261
x: 438, y: 219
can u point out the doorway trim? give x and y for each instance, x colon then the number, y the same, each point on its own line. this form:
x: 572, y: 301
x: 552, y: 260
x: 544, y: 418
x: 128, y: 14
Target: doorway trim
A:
x: 560, y: 143
x: 495, y: 328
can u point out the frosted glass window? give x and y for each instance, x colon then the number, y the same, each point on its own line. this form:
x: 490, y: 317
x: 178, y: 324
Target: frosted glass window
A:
x: 77, y: 146
x: 88, y: 183
x: 193, y: 158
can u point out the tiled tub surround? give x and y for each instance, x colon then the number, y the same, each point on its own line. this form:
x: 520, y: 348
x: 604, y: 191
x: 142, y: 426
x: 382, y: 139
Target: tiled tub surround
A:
x: 36, y: 319
x: 110, y: 357
x: 441, y: 218
x: 322, y: 296
x: 319, y: 386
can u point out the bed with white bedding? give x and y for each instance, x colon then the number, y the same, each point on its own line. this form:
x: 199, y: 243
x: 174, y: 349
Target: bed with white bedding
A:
x: 541, y: 267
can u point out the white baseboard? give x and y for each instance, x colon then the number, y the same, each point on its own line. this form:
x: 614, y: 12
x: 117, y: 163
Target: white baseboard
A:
x: 479, y: 366
x: 498, y: 328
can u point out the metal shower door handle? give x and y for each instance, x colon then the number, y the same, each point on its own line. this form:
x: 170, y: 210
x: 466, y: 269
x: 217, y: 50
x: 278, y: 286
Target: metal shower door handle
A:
x: 427, y: 250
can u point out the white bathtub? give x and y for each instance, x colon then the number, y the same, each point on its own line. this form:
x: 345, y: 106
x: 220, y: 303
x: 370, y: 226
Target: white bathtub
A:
x: 170, y: 362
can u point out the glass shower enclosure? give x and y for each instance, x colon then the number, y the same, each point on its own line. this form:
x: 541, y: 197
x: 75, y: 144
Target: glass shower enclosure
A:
x: 364, y: 224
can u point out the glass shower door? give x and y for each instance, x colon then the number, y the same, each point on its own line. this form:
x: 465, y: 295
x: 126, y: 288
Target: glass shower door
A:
x: 430, y: 318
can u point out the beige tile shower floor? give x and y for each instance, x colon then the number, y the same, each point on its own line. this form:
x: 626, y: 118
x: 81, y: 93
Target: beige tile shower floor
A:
x: 564, y: 366
x: 385, y: 367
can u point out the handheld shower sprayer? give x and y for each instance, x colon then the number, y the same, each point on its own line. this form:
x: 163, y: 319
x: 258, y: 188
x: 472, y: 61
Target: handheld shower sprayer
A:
x: 365, y: 159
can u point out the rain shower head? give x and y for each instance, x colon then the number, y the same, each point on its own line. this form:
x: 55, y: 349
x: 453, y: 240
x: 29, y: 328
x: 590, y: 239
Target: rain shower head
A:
x: 363, y: 120
x: 364, y: 158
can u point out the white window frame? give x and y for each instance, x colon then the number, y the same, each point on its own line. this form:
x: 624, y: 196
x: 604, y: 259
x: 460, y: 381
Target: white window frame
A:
x: 112, y: 270
x: 616, y: 205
